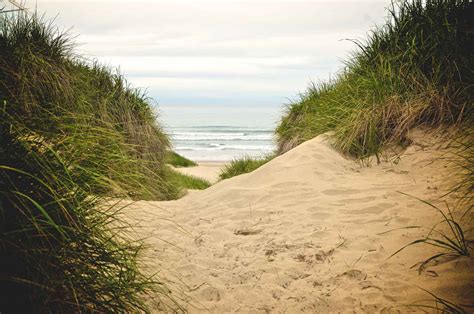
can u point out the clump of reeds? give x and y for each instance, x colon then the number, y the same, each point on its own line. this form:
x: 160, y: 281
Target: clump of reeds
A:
x: 185, y: 181
x: 176, y: 160
x: 72, y: 135
x: 243, y: 165
x: 415, y: 70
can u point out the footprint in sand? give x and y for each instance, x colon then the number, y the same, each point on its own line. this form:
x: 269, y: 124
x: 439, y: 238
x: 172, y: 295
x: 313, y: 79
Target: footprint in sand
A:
x: 377, y: 209
x: 210, y: 294
x: 321, y: 216
x: 353, y: 274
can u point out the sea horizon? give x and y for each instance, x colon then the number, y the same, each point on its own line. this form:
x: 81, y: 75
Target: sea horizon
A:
x: 220, y: 133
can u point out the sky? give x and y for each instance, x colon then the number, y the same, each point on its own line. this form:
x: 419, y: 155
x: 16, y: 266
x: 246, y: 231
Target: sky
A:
x: 227, y: 52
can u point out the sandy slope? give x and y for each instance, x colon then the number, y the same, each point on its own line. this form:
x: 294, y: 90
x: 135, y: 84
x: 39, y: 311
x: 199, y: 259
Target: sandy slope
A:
x: 305, y: 232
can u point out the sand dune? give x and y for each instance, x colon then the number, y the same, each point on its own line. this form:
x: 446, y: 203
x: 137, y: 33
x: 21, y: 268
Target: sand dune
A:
x: 307, y: 232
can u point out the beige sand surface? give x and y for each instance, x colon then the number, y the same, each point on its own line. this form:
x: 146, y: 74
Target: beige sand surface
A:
x: 208, y: 170
x: 307, y: 232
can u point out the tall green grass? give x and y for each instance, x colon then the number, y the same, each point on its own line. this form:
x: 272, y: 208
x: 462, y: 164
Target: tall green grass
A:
x: 415, y: 70
x: 243, y: 165
x: 176, y: 160
x: 73, y: 134
x: 186, y: 181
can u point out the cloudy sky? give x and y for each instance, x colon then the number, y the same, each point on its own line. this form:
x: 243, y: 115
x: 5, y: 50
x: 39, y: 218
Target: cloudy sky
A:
x: 225, y: 52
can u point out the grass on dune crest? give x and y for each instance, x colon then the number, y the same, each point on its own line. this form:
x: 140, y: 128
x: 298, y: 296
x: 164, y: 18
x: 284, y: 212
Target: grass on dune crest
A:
x: 177, y: 160
x: 415, y: 70
x: 243, y: 165
x: 186, y: 181
x: 72, y: 134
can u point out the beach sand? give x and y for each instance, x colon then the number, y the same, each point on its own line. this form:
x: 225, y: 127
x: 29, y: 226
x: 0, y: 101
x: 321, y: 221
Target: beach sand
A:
x: 310, y: 231
x: 208, y: 170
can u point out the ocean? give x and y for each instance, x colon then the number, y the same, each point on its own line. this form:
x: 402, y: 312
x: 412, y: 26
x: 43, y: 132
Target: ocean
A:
x: 220, y: 133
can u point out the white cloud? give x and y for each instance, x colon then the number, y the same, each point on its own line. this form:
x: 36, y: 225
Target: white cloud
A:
x: 264, y: 49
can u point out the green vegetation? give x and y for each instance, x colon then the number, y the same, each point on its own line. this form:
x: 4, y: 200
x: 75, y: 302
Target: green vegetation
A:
x: 177, y: 160
x: 72, y: 134
x: 186, y: 181
x: 243, y: 165
x: 416, y: 70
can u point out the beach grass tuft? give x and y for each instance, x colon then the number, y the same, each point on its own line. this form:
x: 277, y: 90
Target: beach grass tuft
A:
x: 185, y: 181
x: 176, y: 160
x: 243, y: 165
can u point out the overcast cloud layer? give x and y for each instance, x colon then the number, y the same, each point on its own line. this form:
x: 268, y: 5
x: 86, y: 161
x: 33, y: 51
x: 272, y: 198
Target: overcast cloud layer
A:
x: 223, y: 52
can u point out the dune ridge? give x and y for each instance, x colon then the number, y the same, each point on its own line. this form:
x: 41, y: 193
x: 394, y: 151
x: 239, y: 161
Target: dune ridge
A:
x: 309, y: 231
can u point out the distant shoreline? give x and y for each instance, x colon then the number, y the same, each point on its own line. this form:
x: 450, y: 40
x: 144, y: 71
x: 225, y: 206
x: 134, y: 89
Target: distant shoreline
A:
x: 220, y: 133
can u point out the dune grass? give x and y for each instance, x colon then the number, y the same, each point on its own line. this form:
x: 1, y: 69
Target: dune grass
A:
x: 185, y: 181
x: 72, y: 135
x: 243, y: 165
x: 415, y: 70
x: 176, y: 160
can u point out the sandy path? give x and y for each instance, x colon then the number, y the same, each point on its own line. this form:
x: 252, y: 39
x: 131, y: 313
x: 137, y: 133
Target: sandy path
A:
x: 305, y: 232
